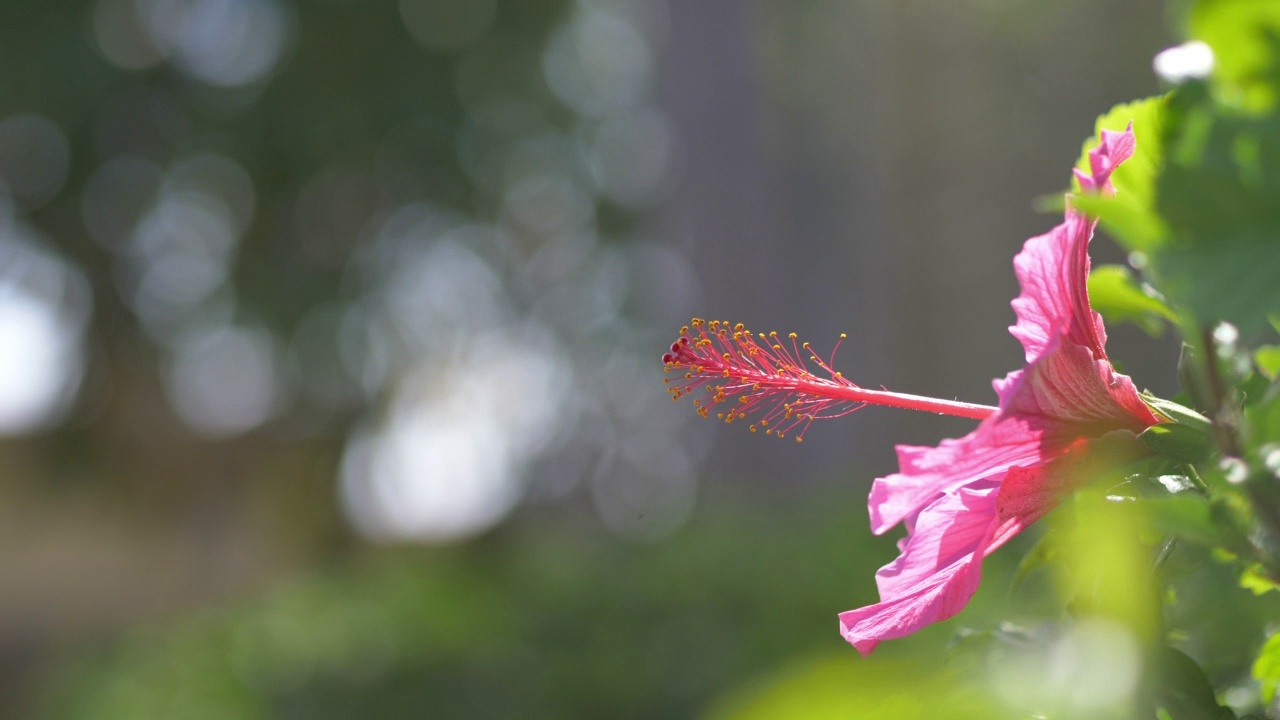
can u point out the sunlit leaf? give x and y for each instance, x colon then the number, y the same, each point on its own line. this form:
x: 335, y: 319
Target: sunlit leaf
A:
x: 1266, y: 668
x: 1115, y: 294
x: 1256, y: 582
x: 1267, y: 358
x: 1243, y: 35
x: 1218, y: 193
x: 1177, y: 412
x: 843, y: 687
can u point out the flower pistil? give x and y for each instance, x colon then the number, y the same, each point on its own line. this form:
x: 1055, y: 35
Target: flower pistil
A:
x: 768, y: 377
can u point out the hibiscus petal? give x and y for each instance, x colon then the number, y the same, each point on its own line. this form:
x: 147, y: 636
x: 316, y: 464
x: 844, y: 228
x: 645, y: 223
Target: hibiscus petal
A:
x: 917, y: 589
x: 945, y: 531
x: 1113, y: 149
x: 1069, y: 385
x: 1053, y: 272
x: 1053, y: 268
x: 998, y: 443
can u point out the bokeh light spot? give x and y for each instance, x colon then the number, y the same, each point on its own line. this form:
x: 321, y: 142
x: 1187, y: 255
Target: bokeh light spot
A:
x: 224, y: 380
x: 449, y: 459
x: 44, y: 305
x: 225, y: 43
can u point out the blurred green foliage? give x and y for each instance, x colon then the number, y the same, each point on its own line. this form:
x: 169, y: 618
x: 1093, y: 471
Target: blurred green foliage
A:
x: 542, y: 619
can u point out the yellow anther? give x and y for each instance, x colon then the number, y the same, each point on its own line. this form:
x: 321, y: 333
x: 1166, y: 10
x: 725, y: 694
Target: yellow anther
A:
x: 684, y: 329
x: 799, y: 439
x: 752, y: 428
x: 843, y: 336
x: 697, y: 322
x: 739, y: 327
x: 839, y: 374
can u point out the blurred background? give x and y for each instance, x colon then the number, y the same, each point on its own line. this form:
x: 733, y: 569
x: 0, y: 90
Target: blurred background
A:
x: 329, y: 336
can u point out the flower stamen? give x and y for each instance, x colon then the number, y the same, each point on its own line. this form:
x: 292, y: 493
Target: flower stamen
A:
x: 770, y: 379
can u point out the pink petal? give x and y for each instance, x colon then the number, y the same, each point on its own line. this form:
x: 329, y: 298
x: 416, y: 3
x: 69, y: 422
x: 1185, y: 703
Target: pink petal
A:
x: 943, y: 532
x: 1053, y: 268
x: 999, y: 443
x: 1071, y: 386
x: 940, y: 564
x: 936, y: 574
x: 1115, y: 148
x: 1053, y: 271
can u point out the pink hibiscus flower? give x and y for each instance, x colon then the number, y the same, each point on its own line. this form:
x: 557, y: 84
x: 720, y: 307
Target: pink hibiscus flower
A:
x: 966, y: 497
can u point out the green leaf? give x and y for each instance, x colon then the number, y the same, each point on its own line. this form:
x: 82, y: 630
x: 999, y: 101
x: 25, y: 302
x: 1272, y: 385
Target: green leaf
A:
x: 1218, y: 194
x: 1242, y: 34
x: 1114, y: 293
x: 1266, y: 668
x: 1267, y: 359
x: 1256, y: 581
x: 1177, y: 413
x: 1262, y: 420
x: 1252, y: 389
x: 1226, y: 277
x: 1045, y: 552
x: 843, y: 687
x: 1187, y: 516
x: 1178, y: 442
x: 1183, y: 690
